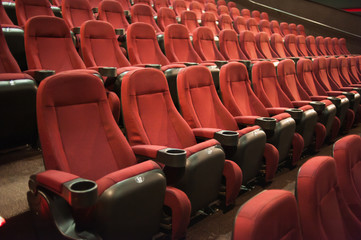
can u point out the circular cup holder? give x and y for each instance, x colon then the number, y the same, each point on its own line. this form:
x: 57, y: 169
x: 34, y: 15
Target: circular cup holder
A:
x: 295, y: 113
x: 266, y: 123
x: 172, y: 157
x: 83, y: 186
x: 174, y: 151
x: 318, y: 106
x: 230, y: 133
x: 227, y: 138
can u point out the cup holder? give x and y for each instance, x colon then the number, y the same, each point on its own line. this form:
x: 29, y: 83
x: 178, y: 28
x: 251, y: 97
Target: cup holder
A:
x: 227, y: 138
x: 156, y: 66
x: 220, y: 63
x: 119, y: 31
x: 172, y: 157
x: 81, y: 192
x: 190, y: 64
x: 295, y: 113
x: 42, y: 74
x: 349, y: 95
x: 335, y: 100
x: 108, y: 71
x: 76, y: 30
x: 318, y: 106
x: 266, y: 123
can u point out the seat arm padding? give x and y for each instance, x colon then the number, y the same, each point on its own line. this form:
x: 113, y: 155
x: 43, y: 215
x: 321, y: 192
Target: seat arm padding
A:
x: 271, y: 156
x: 200, y: 146
x: 53, y: 180
x: 246, y: 120
x: 233, y: 175
x: 207, y: 133
x: 298, y: 104
x: 276, y: 110
x: 149, y: 151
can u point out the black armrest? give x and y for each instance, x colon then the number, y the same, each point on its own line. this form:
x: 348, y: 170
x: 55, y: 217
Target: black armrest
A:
x: 227, y: 138
x: 119, y: 31
x: 108, y: 71
x: 350, y: 96
x: 295, y: 113
x: 246, y: 62
x: 156, y: 66
x: 266, y: 123
x: 220, y: 63
x: 76, y: 30
x: 172, y: 157
x: 357, y: 89
x: 82, y: 192
x: 190, y: 64
x: 126, y: 13
x: 318, y: 106
x: 42, y: 74
x: 95, y: 10
x: 335, y: 100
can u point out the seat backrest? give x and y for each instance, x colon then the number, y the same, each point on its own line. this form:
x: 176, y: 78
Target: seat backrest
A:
x: 8, y: 63
x: 352, y: 68
x: 209, y: 20
x: 256, y: 15
x: 266, y: 86
x: 231, y: 5
x: 285, y: 30
x: 222, y: 10
x: 143, y: 46
x: 311, y: 45
x: 319, y: 66
x: 202, y: 3
x: 275, y: 27
x: 112, y: 12
x: 150, y: 116
x: 237, y: 94
x: 76, y: 12
x: 234, y: 12
x: 196, y: 8
x: 210, y: 7
x: 272, y: 214
x: 288, y: 80
x: 320, y: 44
x: 221, y: 2
x: 335, y: 46
x: 264, y: 26
x: 178, y: 46
x: 203, y: 42
x: 49, y: 45
x: 247, y: 42
x: 239, y: 24
x: 166, y: 16
x: 263, y: 45
x: 94, y: 3
x: 277, y: 45
x: 179, y: 6
x: 343, y: 70
x: 5, y: 21
x: 293, y: 28
x: 25, y: 9
x: 143, y: 13
x: 318, y: 196
x: 158, y: 4
x: 199, y: 102
x: 125, y: 4
x: 252, y: 25
x: 301, y: 30
x: 225, y: 22
x: 333, y: 71
x: 307, y: 78
x: 229, y: 46
x: 328, y: 46
x: 264, y: 16
x: 301, y: 46
x: 189, y: 19
x: 343, y: 46
x: 100, y: 46
x: 291, y: 45
x: 246, y: 13
x: 64, y: 119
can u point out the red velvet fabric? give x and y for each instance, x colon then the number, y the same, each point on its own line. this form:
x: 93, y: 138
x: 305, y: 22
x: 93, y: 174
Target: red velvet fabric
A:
x: 149, y: 151
x: 26, y: 9
x: 264, y: 16
x: 278, y: 46
x: 8, y: 63
x: 112, y: 12
x: 166, y: 17
x: 99, y: 45
x: 246, y: 13
x: 328, y: 46
x: 222, y: 10
x: 247, y: 42
x: 203, y: 42
x: 209, y: 20
x: 189, y: 19
x: 179, y: 6
x: 200, y: 146
x: 264, y: 26
x: 301, y: 46
x: 229, y: 46
x: 352, y: 69
x: 301, y: 30
x: 284, y: 29
x: 275, y: 27
x: 76, y: 12
x: 311, y: 45
x: 263, y: 45
x: 233, y: 175
x: 221, y: 2
x: 293, y: 29
x: 272, y: 214
x: 5, y: 21
x: 225, y: 22
x: 143, y: 13
x: 319, y: 66
x: 234, y: 12
x: 239, y: 24
x: 125, y: 4
x: 211, y: 8
x: 335, y: 46
x: 256, y: 15
x: 320, y: 44
x: 291, y: 45
x: 252, y: 26
x: 346, y: 77
x: 54, y: 179
x: 178, y: 46
x: 158, y: 4
x: 197, y: 8
x: 207, y: 133
x: 334, y: 74
x: 343, y: 47
x: 319, y: 200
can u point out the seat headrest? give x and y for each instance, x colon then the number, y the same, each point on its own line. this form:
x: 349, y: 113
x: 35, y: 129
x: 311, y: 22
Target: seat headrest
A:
x: 286, y: 67
x: 266, y: 69
x: 208, y: 17
x: 240, y: 20
x: 176, y: 31
x: 290, y: 39
x: 204, y: 33
x: 141, y: 30
x: 197, y: 76
x: 228, y: 35
x: 305, y: 65
x: 45, y: 26
x: 225, y: 18
x: 77, y: 4
x: 111, y: 6
x: 141, y: 9
x: 236, y: 72
x: 37, y: 3
x: 262, y: 37
x: 246, y: 36
x: 98, y: 29
x: 189, y: 15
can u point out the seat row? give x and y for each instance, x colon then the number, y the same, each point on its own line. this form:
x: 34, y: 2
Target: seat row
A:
x: 327, y: 205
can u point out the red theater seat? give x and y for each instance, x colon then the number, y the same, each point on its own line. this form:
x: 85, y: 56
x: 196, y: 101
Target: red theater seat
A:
x: 203, y: 42
x: 212, y: 8
x: 76, y: 12
x: 275, y: 27
x: 142, y: 13
x: 301, y: 30
x: 264, y: 26
x: 252, y: 25
x: 166, y: 16
x: 256, y: 15
x: 25, y: 9
x: 112, y: 12
x: 239, y: 24
x: 229, y: 46
x: 246, y: 13
x: 197, y: 8
x: 209, y: 20
x: 222, y: 10
x: 234, y: 12
x: 189, y: 19
x: 179, y: 6
x: 225, y: 22
x: 264, y: 16
x: 293, y: 29
x: 285, y: 30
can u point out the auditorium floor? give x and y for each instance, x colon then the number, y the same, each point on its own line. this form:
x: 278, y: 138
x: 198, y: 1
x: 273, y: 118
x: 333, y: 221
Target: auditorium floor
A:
x: 17, y: 166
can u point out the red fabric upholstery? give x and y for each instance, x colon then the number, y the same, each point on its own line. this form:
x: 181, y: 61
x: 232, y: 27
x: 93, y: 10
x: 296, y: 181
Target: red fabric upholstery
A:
x: 284, y: 29
x: 335, y: 46
x: 352, y: 69
x: 179, y: 6
x: 346, y: 77
x: 25, y: 9
x: 112, y: 12
x: 291, y: 45
x: 239, y: 24
x: 234, y: 12
x: 233, y: 175
x: 158, y: 4
x: 211, y: 8
x: 228, y: 45
x: 343, y: 47
x: 94, y: 3
x: 264, y: 26
x: 275, y: 27
x: 166, y: 16
x: 225, y: 22
x: 189, y: 19
x: 263, y: 45
x: 328, y: 46
x: 222, y: 10
x: 221, y: 2
x: 311, y: 45
x: 178, y: 46
x: 5, y: 21
x: 76, y: 12
x: 301, y: 30
x: 301, y: 46
x: 247, y: 42
x: 252, y: 25
x: 55, y: 179
x: 277, y: 45
x: 319, y: 200
x: 209, y: 20
x: 334, y: 74
x: 319, y: 66
x: 143, y: 13
x: 264, y: 16
x: 293, y: 29
x: 100, y: 46
x: 272, y: 214
x: 231, y: 5
x: 246, y: 13
x: 256, y: 15
x: 321, y: 49
x: 197, y: 8
x: 204, y: 44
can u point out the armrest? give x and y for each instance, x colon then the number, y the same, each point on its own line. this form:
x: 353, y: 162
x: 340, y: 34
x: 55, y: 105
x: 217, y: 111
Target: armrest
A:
x: 298, y: 104
x: 246, y: 120
x: 349, y: 95
x: 78, y: 192
x: 266, y: 123
x: 335, y: 100
x: 275, y: 111
x: 357, y: 89
x: 187, y: 63
x: 224, y: 137
x: 318, y: 98
x: 156, y: 66
x: 40, y: 74
x: 334, y: 93
x: 119, y: 31
x: 318, y: 106
x: 108, y: 71
x: 295, y: 113
x: 171, y: 157
x: 220, y: 63
x: 76, y: 30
